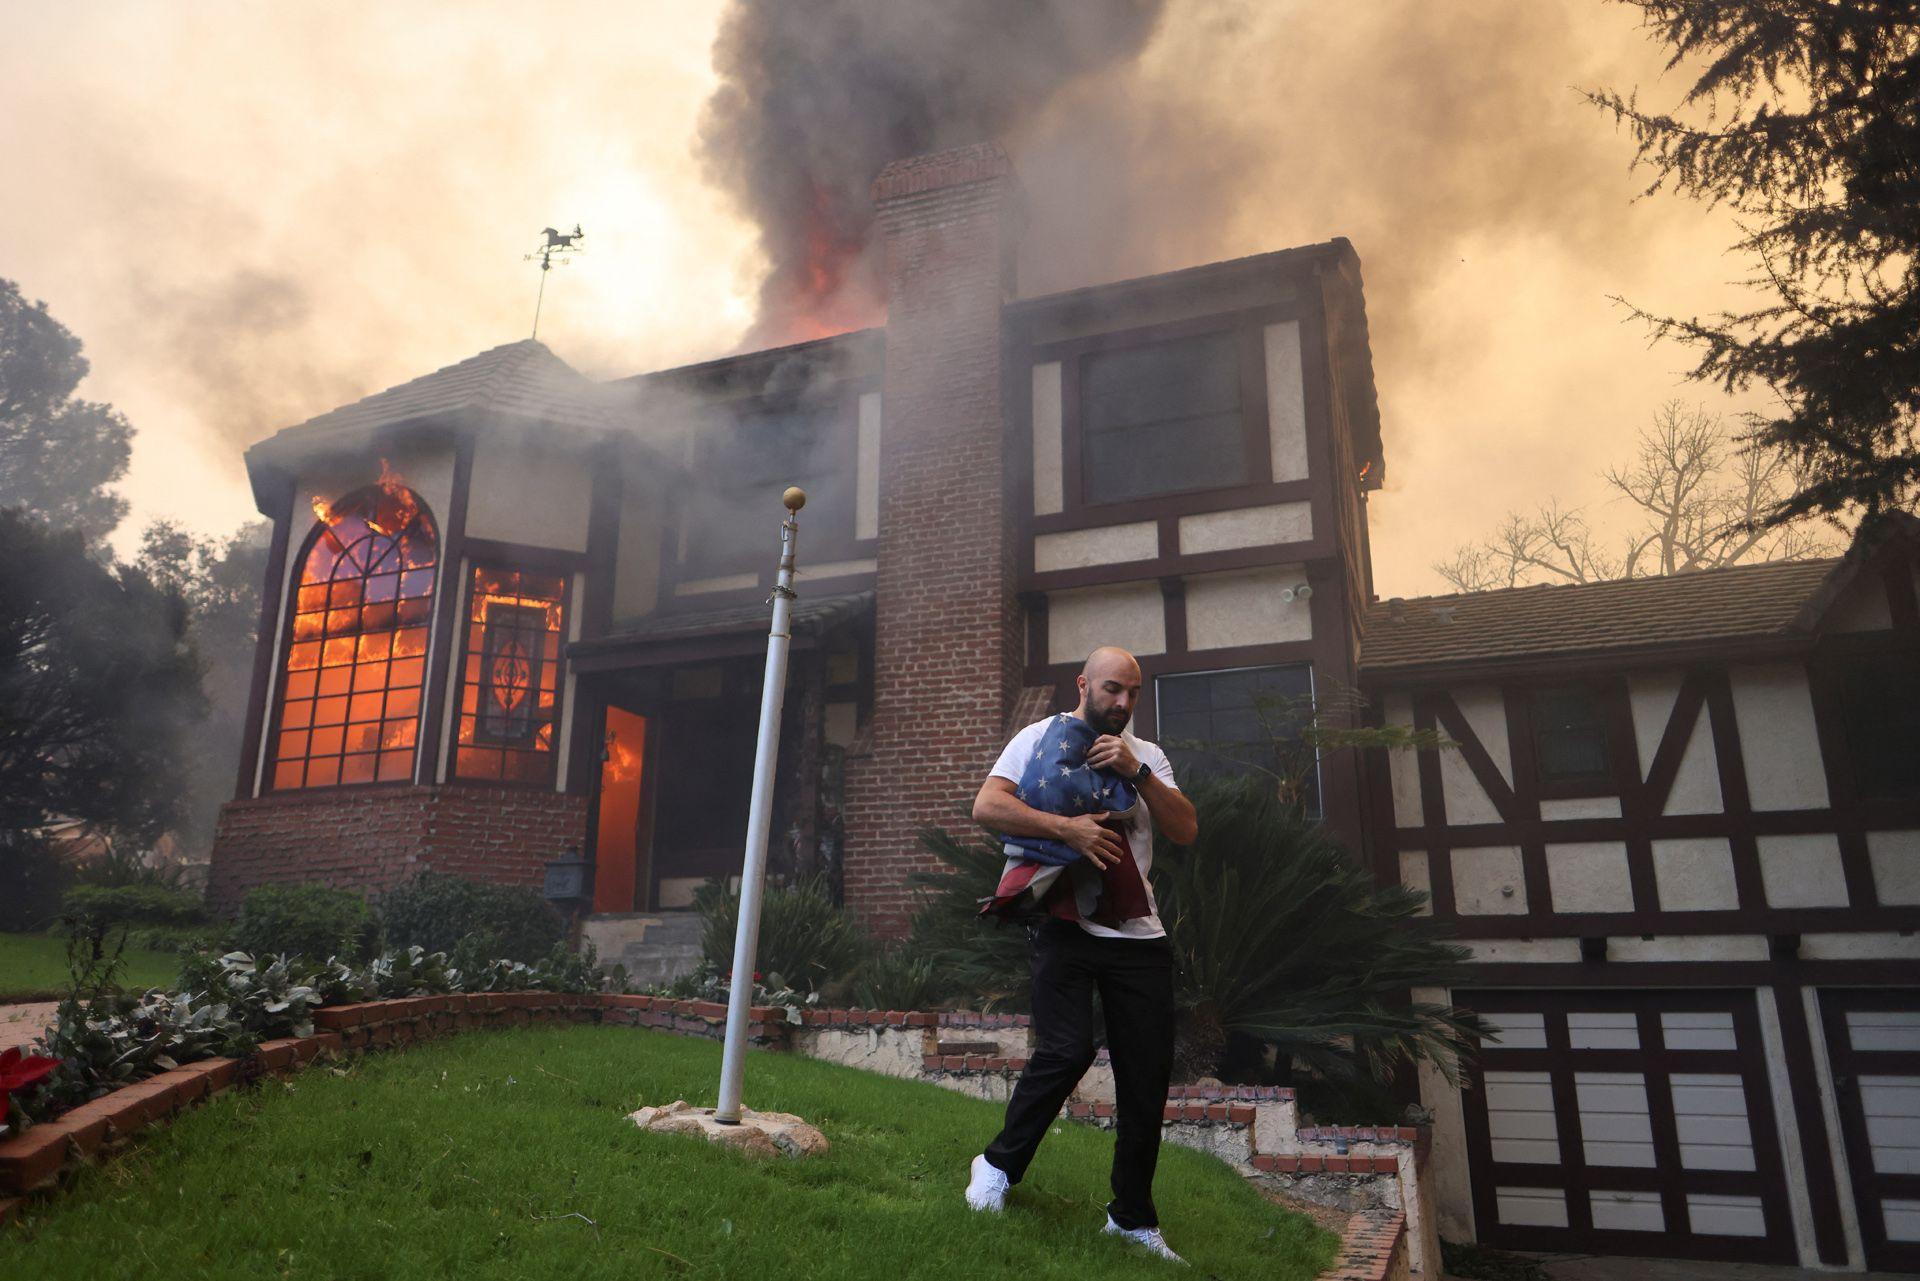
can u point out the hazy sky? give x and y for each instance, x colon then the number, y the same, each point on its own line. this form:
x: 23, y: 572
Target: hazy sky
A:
x: 252, y: 213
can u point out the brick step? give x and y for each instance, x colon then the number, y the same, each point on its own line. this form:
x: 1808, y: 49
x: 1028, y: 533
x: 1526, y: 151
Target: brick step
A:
x: 978, y: 1048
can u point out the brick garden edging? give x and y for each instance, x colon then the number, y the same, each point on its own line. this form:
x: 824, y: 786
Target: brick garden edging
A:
x: 1229, y: 1115
x: 1373, y: 1248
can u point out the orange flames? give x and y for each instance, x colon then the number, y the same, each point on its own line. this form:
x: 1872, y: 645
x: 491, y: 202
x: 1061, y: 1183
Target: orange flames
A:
x: 826, y: 292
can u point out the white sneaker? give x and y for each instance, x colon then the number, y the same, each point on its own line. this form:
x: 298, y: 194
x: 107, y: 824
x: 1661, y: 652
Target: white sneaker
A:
x: 1146, y: 1238
x: 987, y: 1188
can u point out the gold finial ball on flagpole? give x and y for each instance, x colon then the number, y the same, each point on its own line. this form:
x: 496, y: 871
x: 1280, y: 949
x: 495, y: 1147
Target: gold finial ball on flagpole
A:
x: 795, y: 498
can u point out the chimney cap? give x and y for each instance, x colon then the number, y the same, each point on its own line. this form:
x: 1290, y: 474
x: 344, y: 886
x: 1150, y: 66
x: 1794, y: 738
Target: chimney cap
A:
x: 953, y: 167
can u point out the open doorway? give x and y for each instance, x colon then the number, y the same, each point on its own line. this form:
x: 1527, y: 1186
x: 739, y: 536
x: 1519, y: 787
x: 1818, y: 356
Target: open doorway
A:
x: 620, y: 881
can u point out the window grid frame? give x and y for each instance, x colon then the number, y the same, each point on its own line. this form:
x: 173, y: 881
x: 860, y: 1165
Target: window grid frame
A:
x: 464, y: 680
x: 285, y: 675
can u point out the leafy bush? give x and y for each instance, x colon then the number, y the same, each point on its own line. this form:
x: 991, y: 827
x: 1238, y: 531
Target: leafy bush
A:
x: 983, y: 961
x: 103, y: 906
x: 806, y: 941
x: 312, y: 921
x: 227, y: 1005
x: 152, y: 914
x: 900, y: 980
x: 444, y: 913
x: 1280, y: 936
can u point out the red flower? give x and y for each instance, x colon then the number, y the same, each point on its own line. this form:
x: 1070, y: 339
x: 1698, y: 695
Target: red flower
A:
x: 19, y: 1072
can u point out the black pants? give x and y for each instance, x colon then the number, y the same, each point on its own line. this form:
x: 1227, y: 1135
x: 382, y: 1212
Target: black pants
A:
x: 1135, y: 980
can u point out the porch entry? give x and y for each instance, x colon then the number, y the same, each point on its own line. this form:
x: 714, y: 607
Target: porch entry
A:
x: 1626, y: 1122
x: 1873, y: 1042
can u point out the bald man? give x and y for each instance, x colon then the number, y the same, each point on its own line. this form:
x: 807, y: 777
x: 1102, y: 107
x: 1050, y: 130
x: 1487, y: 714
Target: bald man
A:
x: 1129, y: 963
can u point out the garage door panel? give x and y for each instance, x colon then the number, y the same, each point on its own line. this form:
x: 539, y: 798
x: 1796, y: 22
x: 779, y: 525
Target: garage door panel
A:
x: 1656, y: 1092
x: 1873, y: 1044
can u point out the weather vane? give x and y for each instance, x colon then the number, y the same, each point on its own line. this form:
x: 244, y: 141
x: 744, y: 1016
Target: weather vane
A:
x: 561, y: 245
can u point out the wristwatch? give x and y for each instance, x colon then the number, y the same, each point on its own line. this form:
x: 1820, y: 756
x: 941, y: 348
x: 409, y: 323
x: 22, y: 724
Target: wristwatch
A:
x: 1140, y: 775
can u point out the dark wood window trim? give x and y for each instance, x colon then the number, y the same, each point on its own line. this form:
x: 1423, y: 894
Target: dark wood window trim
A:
x: 1077, y: 512
x: 819, y: 544
x: 1602, y: 782
x: 481, y: 553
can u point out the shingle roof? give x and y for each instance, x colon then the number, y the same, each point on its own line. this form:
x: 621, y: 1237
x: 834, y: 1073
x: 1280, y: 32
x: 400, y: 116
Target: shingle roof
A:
x: 521, y: 379
x: 1741, y: 602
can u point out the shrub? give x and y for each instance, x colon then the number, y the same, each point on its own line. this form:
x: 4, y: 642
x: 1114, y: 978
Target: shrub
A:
x: 900, y: 980
x: 806, y: 941
x: 983, y: 961
x: 477, y: 920
x: 152, y: 915
x: 312, y: 921
x: 103, y: 907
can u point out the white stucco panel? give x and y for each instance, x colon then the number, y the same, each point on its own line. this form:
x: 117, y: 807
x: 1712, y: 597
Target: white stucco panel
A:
x: 1129, y: 615
x: 1403, y: 765
x: 1802, y: 870
x: 524, y: 494
x: 1487, y: 881
x: 1694, y: 874
x: 1048, y: 483
x: 636, y: 566
x: 1246, y: 527
x: 1896, y: 866
x: 866, y: 491
x: 1104, y: 545
x: 1777, y: 738
x: 1415, y: 875
x: 1589, y: 876
x: 1286, y: 402
x: 1485, y: 713
x: 1246, y: 608
x: 1562, y: 809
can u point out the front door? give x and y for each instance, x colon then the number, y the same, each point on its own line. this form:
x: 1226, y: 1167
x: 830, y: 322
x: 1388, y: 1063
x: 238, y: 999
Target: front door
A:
x: 1873, y: 1038
x: 618, y: 812
x: 1626, y: 1122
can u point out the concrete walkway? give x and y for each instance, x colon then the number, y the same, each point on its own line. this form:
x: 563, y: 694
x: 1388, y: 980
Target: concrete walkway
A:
x: 20, y: 1025
x: 1588, y: 1267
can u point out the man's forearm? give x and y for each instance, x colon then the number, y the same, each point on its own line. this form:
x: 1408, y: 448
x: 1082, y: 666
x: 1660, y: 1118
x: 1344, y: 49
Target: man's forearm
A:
x: 1172, y: 813
x: 1008, y: 815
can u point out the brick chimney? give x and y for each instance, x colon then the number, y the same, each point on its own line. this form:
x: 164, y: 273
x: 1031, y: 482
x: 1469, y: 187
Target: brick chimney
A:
x: 949, y: 639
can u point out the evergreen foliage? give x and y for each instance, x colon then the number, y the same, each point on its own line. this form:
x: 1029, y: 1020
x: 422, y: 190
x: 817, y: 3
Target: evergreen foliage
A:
x: 1803, y: 118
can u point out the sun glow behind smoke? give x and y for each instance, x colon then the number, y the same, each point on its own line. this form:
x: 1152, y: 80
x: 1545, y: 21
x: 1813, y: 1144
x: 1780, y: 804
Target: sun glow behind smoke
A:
x: 335, y: 198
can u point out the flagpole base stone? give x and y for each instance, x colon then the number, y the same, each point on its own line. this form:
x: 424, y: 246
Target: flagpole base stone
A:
x: 756, y: 1133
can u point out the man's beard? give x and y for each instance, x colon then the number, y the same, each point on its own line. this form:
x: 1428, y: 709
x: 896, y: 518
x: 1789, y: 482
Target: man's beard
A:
x: 1110, y: 719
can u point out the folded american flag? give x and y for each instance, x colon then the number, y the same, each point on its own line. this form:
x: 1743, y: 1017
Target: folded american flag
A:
x: 1056, y: 779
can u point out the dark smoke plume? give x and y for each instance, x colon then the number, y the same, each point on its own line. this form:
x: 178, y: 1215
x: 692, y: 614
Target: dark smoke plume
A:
x: 816, y: 97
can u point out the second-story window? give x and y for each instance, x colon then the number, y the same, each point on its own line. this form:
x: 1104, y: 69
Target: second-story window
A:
x: 1570, y: 737
x: 1879, y: 707
x: 1163, y: 418
x: 745, y: 465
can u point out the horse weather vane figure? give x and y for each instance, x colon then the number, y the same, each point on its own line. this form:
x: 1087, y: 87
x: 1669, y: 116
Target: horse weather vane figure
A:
x: 556, y: 245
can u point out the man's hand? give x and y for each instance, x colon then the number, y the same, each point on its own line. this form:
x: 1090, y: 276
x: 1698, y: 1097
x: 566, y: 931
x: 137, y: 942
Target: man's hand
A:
x: 1100, y: 846
x: 1110, y: 752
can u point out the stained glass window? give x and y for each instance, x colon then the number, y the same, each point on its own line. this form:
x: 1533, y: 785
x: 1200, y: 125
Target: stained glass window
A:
x: 509, y: 699
x: 356, y: 662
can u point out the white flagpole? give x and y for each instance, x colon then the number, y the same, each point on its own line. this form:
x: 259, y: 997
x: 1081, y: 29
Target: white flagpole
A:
x: 753, y: 874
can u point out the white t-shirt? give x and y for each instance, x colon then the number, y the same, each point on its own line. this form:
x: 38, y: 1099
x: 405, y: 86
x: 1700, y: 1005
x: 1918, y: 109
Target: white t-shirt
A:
x: 1013, y: 760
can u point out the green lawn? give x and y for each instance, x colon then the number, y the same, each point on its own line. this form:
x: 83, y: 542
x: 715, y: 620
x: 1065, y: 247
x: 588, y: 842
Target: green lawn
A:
x: 509, y: 1155
x: 33, y: 967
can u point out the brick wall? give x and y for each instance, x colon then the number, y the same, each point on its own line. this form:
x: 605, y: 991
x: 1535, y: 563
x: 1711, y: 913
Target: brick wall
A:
x: 372, y: 839
x: 948, y: 630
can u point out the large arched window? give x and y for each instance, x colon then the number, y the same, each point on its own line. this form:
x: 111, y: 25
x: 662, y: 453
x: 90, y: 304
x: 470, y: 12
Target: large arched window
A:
x: 349, y: 708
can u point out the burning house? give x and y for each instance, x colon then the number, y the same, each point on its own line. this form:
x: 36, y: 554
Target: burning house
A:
x: 513, y: 612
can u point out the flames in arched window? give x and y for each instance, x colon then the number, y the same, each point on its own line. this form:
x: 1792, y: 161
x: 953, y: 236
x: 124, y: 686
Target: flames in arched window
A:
x: 349, y: 701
